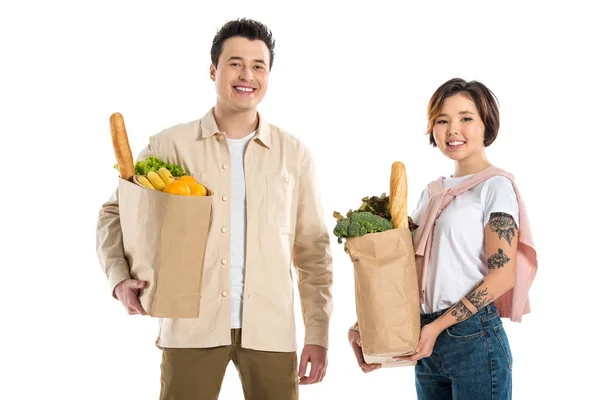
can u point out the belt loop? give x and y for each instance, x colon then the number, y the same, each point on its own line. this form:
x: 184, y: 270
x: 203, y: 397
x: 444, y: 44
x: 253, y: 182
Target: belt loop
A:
x: 488, y: 309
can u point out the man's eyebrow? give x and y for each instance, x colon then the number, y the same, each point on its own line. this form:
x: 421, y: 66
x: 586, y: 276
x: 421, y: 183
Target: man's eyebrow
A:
x: 241, y: 59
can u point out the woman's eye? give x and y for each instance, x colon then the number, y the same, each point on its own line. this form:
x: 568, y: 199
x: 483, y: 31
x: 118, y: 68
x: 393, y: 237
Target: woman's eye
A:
x: 441, y: 121
x: 467, y: 119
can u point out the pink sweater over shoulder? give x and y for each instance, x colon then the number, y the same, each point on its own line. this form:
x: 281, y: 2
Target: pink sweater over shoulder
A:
x: 514, y: 303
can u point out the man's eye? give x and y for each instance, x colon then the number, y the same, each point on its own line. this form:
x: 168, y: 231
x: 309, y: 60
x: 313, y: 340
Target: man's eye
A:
x: 259, y: 67
x: 235, y: 64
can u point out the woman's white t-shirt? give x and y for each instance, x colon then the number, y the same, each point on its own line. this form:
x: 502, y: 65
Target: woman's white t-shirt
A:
x: 458, y: 260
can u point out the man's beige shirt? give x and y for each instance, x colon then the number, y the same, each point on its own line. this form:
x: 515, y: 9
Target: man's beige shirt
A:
x: 284, y: 224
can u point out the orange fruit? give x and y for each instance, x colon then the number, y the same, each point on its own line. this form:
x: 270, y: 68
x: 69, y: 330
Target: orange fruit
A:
x: 187, y: 179
x: 177, y: 187
x: 197, y: 189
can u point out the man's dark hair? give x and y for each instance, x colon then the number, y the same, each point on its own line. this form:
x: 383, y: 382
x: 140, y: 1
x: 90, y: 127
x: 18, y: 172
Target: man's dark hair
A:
x: 246, y: 28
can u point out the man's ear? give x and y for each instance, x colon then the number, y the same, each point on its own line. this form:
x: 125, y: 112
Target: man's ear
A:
x: 213, y: 73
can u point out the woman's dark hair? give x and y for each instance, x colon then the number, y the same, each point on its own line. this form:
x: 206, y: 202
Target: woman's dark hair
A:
x: 246, y: 28
x: 483, y: 98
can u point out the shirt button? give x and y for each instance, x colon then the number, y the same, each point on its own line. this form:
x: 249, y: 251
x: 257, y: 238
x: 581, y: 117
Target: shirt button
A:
x: 224, y: 261
x: 287, y: 180
x: 225, y: 293
x: 219, y: 136
x: 224, y: 198
x: 225, y: 166
x: 224, y: 230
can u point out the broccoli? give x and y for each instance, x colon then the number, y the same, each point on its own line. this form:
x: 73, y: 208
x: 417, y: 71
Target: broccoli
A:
x: 359, y: 224
x: 341, y: 229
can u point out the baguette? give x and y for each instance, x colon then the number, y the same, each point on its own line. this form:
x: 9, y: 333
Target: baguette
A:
x: 398, y: 196
x: 121, y: 146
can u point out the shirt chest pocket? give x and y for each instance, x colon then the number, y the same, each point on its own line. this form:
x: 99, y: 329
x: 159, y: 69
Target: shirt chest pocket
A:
x: 280, y: 195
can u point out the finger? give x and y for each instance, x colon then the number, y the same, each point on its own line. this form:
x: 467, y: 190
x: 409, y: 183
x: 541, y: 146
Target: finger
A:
x: 369, y: 367
x: 323, y: 373
x: 131, y: 311
x: 414, y: 357
x: 420, y: 346
x: 359, y: 343
x: 140, y: 309
x: 358, y: 353
x: 314, y: 370
x: 303, y: 364
x: 320, y: 375
x: 140, y: 284
x: 137, y: 306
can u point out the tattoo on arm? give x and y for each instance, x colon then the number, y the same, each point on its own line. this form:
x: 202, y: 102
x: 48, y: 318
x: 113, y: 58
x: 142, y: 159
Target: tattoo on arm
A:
x: 460, y: 312
x: 504, y: 225
x: 479, y: 298
x: 498, y: 260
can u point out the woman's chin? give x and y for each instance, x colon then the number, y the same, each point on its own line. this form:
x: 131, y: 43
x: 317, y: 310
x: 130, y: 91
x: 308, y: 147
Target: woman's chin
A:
x: 455, y: 155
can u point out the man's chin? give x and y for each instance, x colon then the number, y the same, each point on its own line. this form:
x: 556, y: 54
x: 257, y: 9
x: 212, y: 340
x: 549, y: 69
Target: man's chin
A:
x: 247, y: 105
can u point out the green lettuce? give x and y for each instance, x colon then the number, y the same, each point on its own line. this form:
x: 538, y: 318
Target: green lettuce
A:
x: 154, y: 164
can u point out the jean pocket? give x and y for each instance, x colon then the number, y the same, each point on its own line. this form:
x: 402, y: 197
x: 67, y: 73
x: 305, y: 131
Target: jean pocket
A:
x: 466, y: 330
x: 280, y: 195
x: 503, y: 339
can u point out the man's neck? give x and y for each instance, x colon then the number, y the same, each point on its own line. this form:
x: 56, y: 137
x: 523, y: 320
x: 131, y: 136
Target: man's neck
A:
x: 236, y: 125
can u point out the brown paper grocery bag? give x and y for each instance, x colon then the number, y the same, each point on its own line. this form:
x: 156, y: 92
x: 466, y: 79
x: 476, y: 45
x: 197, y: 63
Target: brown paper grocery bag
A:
x: 164, y: 238
x: 387, y: 295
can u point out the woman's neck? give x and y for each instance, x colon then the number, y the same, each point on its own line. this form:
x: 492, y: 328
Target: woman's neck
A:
x: 471, y: 165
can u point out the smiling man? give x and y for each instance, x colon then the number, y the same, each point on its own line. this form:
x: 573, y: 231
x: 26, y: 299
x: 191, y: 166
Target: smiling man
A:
x: 266, y: 215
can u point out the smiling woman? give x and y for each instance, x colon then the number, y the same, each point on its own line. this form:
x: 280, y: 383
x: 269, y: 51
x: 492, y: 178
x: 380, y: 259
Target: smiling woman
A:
x: 475, y: 256
x: 477, y: 102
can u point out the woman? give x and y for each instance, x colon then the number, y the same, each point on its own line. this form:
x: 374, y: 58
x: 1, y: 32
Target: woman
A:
x: 470, y: 253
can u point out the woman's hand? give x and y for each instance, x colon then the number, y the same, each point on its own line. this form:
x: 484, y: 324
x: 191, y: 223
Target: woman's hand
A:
x: 429, y: 334
x: 354, y: 339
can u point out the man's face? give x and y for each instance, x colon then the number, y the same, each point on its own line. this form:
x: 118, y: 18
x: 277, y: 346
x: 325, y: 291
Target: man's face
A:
x: 242, y: 74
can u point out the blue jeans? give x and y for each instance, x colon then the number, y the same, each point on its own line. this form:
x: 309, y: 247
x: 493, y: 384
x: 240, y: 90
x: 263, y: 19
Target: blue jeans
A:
x: 471, y: 360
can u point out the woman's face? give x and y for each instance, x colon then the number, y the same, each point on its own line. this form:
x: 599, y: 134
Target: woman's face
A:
x: 458, y: 130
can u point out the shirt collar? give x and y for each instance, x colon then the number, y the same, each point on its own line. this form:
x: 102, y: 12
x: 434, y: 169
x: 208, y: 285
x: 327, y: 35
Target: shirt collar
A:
x: 208, y: 128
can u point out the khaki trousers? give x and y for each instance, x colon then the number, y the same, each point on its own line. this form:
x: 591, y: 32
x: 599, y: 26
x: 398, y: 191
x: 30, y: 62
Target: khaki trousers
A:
x: 197, y: 373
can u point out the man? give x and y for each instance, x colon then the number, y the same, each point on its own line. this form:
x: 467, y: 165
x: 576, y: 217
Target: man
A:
x: 266, y: 214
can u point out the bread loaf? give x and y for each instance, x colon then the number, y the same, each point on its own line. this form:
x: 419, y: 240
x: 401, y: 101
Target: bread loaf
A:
x: 398, y: 196
x: 121, y: 146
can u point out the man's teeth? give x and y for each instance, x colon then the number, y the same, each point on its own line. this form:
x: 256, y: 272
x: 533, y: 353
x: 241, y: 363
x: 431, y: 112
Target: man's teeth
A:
x: 455, y: 143
x: 244, y: 89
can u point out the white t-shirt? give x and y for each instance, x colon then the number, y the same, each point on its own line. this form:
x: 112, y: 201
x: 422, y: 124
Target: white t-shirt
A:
x: 237, y: 230
x: 458, y: 260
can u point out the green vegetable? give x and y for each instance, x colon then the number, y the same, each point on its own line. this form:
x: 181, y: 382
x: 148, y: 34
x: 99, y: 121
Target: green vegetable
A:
x: 372, y: 216
x: 378, y: 205
x: 359, y: 224
x: 154, y: 164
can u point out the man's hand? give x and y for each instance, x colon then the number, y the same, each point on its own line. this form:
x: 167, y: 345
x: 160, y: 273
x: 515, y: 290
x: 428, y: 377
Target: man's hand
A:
x: 127, y: 292
x: 354, y: 339
x: 317, y: 357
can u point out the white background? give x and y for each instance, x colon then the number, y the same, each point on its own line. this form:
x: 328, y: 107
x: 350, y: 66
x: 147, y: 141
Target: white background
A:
x: 353, y: 82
